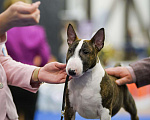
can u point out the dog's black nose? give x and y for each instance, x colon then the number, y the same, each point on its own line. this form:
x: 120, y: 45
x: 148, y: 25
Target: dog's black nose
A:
x: 72, y: 72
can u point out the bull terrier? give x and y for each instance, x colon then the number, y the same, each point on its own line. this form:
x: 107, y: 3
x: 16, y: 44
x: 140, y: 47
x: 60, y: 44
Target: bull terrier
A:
x: 92, y: 92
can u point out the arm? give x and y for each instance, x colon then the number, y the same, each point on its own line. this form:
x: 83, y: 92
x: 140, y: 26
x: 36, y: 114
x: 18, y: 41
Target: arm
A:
x: 18, y: 74
x: 24, y: 76
x: 21, y: 75
x: 142, y: 72
x: 19, y: 14
x: 138, y: 72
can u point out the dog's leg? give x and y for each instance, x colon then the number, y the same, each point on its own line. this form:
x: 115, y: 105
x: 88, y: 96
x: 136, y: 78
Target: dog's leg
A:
x: 129, y: 105
x: 105, y: 114
x: 69, y: 112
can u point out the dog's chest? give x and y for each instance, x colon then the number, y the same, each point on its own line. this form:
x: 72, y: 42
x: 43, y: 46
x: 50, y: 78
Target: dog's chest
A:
x: 84, y: 93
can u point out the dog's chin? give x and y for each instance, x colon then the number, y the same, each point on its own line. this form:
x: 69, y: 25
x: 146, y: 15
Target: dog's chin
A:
x: 76, y: 76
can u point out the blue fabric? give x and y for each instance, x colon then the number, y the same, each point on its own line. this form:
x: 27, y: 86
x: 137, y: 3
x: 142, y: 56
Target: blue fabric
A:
x: 39, y: 115
x: 4, y: 50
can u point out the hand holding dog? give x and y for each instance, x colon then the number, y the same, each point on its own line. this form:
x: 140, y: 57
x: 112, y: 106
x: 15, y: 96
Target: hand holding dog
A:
x: 53, y: 73
x: 121, y: 72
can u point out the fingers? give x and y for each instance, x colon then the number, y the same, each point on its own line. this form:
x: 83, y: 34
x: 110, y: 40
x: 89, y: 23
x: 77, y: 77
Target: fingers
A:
x: 62, y: 80
x: 70, y: 77
x: 23, y: 14
x: 60, y: 65
x: 122, y: 73
x: 123, y: 81
x: 24, y: 8
x: 36, y: 4
x: 31, y: 18
x: 114, y: 71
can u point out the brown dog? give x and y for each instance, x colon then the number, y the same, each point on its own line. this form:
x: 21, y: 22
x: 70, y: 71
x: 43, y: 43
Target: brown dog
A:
x: 92, y: 93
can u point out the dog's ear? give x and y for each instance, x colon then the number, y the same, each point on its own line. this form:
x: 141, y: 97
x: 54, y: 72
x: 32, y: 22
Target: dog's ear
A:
x: 71, y: 35
x: 98, y: 39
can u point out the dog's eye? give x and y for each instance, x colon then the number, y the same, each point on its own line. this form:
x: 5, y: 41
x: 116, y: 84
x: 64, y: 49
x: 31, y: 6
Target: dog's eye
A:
x: 85, y: 52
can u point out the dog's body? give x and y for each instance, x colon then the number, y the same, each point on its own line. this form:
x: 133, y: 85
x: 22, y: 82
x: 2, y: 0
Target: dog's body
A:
x: 92, y: 93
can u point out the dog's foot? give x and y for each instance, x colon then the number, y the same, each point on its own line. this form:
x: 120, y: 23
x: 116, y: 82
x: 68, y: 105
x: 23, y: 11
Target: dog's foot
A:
x: 135, y: 118
x: 105, y: 114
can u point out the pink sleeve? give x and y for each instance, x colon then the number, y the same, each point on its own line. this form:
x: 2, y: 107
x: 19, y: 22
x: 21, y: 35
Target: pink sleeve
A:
x: 18, y: 74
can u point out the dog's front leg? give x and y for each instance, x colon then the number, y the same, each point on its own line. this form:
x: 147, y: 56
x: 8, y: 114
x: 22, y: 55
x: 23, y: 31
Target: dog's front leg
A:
x: 69, y: 112
x: 104, y: 114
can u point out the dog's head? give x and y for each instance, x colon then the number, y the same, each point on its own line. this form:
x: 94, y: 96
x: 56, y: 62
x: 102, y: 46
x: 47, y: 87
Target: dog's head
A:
x: 82, y: 53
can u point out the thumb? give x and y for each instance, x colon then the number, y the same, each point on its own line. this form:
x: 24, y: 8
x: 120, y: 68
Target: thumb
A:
x: 113, y: 71
x: 119, y: 82
x: 36, y: 4
x: 60, y: 65
x: 28, y: 9
x: 123, y: 81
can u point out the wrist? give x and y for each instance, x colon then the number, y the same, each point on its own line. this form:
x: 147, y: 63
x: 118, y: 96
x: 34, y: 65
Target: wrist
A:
x: 3, y: 38
x: 35, y: 82
x: 4, y: 24
x: 132, y: 73
x: 35, y: 75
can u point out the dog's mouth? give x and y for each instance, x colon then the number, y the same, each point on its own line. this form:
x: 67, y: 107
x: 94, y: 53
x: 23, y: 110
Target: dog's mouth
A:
x: 73, y: 73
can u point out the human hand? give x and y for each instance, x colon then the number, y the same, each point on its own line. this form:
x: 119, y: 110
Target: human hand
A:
x: 122, y: 73
x: 19, y: 14
x: 53, y: 73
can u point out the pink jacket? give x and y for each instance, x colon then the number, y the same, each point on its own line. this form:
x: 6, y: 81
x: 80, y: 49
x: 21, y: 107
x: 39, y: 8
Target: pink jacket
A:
x: 12, y: 73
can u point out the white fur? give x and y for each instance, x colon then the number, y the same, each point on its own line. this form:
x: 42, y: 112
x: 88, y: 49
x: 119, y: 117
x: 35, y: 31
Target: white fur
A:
x: 105, y: 114
x: 75, y: 62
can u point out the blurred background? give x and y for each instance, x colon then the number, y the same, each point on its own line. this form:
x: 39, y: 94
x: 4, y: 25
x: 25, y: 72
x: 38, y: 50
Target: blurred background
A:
x: 127, y: 29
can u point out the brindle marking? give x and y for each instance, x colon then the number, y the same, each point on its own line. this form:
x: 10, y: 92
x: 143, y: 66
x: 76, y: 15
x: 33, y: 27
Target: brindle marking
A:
x: 113, y: 96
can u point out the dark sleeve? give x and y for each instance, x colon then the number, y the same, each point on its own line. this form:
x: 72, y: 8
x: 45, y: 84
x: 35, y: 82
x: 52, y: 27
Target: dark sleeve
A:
x: 141, y: 69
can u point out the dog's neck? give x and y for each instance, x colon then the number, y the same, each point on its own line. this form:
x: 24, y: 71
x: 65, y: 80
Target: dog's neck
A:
x: 96, y: 73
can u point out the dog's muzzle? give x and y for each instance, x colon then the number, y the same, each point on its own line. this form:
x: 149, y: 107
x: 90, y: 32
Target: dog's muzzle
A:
x: 72, y: 72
